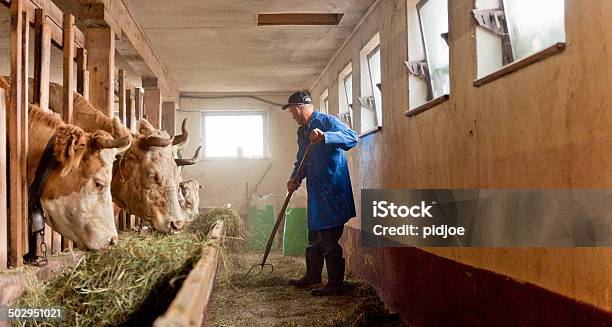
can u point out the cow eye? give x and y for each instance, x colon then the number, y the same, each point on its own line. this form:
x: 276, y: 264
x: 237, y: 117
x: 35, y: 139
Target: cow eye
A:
x: 99, y: 185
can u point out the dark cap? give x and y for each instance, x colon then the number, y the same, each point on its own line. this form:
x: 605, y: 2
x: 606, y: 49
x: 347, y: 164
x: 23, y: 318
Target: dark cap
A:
x: 300, y: 97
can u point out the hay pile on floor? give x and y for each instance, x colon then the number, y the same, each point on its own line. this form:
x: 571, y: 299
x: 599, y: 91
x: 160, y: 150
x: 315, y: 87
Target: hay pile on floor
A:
x: 133, y: 282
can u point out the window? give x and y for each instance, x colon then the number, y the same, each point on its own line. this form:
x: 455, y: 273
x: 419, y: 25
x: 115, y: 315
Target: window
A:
x: 371, y: 97
x: 324, y: 102
x: 345, y: 96
x: 511, y: 30
x: 375, y: 82
x: 234, y: 135
x: 428, y: 53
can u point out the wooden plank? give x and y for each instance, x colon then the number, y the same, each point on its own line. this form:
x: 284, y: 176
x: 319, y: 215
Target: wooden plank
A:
x: 131, y: 109
x: 82, y: 75
x: 152, y: 106
x: 169, y: 117
x: 122, y: 96
x: 55, y: 19
x: 69, y: 82
x: 538, y: 56
x: 100, y: 45
x: 190, y: 304
x: 139, y: 102
x: 56, y: 243
x: 298, y: 19
x: 14, y: 137
x: 3, y: 186
x: 23, y: 162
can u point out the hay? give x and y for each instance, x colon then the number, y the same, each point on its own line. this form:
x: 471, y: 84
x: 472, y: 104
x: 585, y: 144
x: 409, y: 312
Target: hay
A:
x: 133, y: 282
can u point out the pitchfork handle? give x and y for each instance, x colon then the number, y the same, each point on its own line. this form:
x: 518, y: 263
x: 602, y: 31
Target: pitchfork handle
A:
x: 281, y: 214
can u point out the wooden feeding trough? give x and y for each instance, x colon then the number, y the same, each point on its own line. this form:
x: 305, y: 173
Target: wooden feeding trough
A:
x: 190, y: 306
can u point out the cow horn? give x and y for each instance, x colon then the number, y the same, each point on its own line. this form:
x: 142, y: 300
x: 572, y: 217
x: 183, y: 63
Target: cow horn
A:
x: 182, y: 138
x: 112, y: 143
x: 156, y: 141
x: 188, y: 162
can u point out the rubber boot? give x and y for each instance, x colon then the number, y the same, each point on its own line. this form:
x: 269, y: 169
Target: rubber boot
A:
x: 314, y: 268
x: 335, y: 279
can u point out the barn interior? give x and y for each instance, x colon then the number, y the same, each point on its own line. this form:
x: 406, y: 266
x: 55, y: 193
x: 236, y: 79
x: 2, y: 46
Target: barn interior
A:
x: 469, y: 94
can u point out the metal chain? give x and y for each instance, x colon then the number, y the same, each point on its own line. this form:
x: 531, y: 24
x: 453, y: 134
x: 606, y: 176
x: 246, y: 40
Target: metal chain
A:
x: 43, y: 249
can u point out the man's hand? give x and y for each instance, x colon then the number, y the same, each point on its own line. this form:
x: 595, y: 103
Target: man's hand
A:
x: 317, y: 136
x: 293, y: 184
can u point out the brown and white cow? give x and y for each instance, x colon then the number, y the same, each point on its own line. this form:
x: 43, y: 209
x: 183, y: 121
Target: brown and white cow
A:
x: 191, y: 198
x: 144, y: 180
x: 76, y: 196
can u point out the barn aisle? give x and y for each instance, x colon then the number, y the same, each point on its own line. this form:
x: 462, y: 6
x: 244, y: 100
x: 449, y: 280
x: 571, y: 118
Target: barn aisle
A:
x: 269, y: 300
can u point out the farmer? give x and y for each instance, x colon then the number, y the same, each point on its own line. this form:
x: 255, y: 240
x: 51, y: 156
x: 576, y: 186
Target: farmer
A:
x: 330, y: 196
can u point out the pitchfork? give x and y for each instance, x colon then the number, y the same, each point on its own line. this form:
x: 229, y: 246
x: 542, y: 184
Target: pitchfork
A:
x: 280, y: 217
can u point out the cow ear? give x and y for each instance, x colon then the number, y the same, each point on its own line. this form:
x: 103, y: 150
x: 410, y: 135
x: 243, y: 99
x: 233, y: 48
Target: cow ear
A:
x: 70, y: 145
x: 145, y: 128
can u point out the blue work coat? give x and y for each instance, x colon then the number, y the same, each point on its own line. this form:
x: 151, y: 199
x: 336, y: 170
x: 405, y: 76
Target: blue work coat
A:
x: 330, y: 195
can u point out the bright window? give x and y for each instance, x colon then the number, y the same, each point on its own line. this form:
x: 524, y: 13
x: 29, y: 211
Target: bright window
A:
x: 345, y: 96
x: 534, y: 25
x: 433, y: 17
x: 228, y: 135
x: 370, y: 98
x: 324, y: 102
x: 375, y: 82
x: 522, y: 28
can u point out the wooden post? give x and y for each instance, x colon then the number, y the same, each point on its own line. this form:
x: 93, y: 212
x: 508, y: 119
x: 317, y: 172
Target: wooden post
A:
x: 122, y: 96
x: 100, y: 44
x: 3, y: 187
x: 69, y: 82
x: 130, y: 109
x: 139, y: 101
x: 82, y: 73
x: 42, y: 59
x: 152, y: 106
x: 168, y: 117
x: 25, y: 101
x: 14, y: 126
x: 122, y: 116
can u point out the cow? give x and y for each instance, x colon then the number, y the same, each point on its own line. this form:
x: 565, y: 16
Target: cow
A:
x: 145, y: 181
x: 190, y: 191
x: 75, y: 196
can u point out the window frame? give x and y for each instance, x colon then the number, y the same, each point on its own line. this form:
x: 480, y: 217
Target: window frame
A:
x: 345, y: 116
x: 324, y: 102
x: 428, y: 80
x: 376, y: 86
x: 509, y: 63
x: 207, y: 113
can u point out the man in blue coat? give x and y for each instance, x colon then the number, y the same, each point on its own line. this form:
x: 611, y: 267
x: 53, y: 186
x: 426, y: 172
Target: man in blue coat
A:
x: 330, y: 195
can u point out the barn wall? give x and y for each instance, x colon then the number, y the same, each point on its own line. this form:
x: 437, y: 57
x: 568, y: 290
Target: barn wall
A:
x: 544, y: 126
x: 225, y: 180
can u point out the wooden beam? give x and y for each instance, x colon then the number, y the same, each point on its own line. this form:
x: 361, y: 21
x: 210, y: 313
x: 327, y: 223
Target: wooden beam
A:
x: 152, y: 106
x: 15, y: 147
x: 122, y: 96
x: 299, y: 19
x: 139, y: 102
x: 133, y: 43
x: 100, y: 44
x: 82, y: 73
x: 131, y: 109
x: 42, y: 59
x: 168, y: 117
x: 55, y: 18
x: 69, y: 82
x: 3, y: 187
x: 25, y: 73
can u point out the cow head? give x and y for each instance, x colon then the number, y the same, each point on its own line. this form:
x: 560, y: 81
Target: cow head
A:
x: 146, y: 179
x: 76, y: 196
x: 191, y: 198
